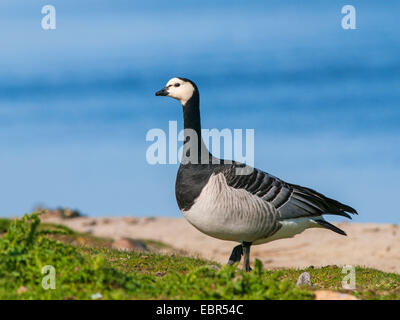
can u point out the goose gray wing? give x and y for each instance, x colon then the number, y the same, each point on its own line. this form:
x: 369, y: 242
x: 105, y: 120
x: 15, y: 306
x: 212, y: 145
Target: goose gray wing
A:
x: 290, y: 200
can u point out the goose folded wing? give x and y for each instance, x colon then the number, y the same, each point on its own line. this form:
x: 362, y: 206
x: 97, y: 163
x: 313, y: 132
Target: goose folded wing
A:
x: 290, y: 200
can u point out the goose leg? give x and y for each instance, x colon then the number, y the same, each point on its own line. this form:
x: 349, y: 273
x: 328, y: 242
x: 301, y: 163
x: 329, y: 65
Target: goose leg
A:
x: 246, y: 254
x: 236, y: 254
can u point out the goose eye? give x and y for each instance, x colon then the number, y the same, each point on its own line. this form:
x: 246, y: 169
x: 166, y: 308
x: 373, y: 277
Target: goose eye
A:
x: 177, y: 84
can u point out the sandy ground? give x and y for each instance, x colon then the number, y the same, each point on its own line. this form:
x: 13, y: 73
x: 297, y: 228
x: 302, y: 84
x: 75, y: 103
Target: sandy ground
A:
x: 372, y: 245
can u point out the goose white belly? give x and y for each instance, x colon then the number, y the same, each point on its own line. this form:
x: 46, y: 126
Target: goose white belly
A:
x: 226, y: 213
x: 233, y: 214
x: 289, y: 228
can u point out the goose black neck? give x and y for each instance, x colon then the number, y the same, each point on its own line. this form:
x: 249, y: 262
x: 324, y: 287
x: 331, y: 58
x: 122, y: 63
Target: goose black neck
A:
x: 191, y: 119
x: 191, y: 114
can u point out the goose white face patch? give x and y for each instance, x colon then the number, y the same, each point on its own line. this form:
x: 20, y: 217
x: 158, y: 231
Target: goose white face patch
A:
x: 180, y: 90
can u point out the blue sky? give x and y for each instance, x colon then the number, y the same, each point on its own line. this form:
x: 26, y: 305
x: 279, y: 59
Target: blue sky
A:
x: 76, y: 102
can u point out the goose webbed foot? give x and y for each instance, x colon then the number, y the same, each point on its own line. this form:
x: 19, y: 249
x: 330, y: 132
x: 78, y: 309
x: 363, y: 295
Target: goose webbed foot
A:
x: 236, y: 254
x: 246, y: 253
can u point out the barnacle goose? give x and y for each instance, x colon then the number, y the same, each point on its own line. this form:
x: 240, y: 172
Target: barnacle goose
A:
x: 222, y: 202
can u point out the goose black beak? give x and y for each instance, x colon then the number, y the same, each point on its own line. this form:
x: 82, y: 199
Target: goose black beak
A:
x: 162, y: 92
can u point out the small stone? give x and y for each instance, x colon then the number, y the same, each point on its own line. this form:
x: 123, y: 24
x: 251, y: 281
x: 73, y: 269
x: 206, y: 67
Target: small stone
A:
x: 90, y: 223
x: 213, y: 266
x: 59, y: 213
x: 332, y: 295
x: 127, y: 244
x: 96, y: 296
x: 69, y: 214
x: 131, y: 220
x: 304, y: 280
x: 22, y: 290
x: 148, y: 220
x: 160, y: 274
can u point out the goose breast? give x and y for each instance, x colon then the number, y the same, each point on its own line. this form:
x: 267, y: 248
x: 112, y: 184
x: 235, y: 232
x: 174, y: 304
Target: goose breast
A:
x: 232, y: 214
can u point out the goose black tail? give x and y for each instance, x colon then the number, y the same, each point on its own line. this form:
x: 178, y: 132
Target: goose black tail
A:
x: 327, y: 225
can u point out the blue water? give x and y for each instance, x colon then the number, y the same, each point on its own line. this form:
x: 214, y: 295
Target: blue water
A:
x: 76, y: 102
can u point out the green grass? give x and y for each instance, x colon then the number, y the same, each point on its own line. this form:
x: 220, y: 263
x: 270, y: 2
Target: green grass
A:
x: 4, y: 224
x: 87, y: 265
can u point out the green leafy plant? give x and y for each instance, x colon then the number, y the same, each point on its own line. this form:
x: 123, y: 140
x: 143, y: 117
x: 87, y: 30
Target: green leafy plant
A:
x: 94, y: 270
